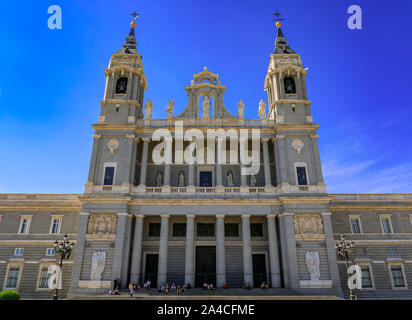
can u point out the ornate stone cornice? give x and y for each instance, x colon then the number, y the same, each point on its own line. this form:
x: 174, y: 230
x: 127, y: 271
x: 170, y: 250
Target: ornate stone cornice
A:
x: 285, y: 101
x: 114, y: 101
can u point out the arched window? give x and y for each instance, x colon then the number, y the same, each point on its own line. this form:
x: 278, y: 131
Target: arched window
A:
x: 121, y: 85
x: 290, y: 86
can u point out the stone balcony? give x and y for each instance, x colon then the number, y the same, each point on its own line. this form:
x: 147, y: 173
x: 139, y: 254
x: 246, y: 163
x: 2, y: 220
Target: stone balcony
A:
x: 209, y: 191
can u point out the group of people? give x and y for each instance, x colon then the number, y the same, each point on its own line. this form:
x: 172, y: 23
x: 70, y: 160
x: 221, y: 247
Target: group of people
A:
x: 207, y: 286
x: 137, y: 286
x: 166, y: 288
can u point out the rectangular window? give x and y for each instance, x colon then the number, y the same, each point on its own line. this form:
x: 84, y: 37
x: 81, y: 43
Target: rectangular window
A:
x: 24, y: 226
x: 55, y: 225
x: 50, y: 252
x: 154, y: 229
x: 44, y: 278
x: 301, y: 174
x: 366, y: 277
x: 13, y: 277
x: 205, y: 229
x: 397, y: 276
x: 386, y: 225
x: 355, y: 225
x: 256, y: 230
x: 19, y: 251
x: 179, y: 229
x: 108, y: 176
x: 231, y: 230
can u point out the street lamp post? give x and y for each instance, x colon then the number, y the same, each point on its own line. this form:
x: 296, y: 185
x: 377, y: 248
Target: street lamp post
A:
x: 344, y: 249
x: 63, y: 249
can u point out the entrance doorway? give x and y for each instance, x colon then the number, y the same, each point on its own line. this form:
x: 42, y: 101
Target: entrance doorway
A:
x: 205, y: 265
x: 205, y: 178
x: 152, y: 261
x: 259, y: 269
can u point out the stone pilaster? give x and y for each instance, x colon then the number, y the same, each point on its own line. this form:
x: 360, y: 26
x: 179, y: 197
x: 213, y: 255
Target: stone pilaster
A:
x: 289, y: 253
x: 220, y: 251
x: 268, y: 181
x: 143, y: 168
x: 330, y: 250
x: 135, y: 269
x: 79, y: 251
x: 219, y: 179
x: 118, y: 246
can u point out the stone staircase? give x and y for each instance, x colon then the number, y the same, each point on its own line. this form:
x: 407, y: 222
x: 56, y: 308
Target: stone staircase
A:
x: 216, y: 294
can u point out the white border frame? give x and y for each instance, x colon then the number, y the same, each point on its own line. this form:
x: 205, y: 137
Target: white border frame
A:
x: 110, y: 164
x: 53, y: 217
x: 18, y: 255
x: 390, y: 264
x: 29, y: 219
x: 41, y: 266
x: 386, y: 216
x: 301, y: 164
x: 369, y: 265
x: 10, y: 265
x: 355, y: 216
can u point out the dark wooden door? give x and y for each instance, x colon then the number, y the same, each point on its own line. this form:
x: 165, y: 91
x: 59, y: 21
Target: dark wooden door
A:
x: 259, y: 269
x: 205, y: 265
x: 152, y: 261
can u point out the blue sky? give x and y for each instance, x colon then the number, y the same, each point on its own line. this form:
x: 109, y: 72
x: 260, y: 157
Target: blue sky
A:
x: 52, y: 81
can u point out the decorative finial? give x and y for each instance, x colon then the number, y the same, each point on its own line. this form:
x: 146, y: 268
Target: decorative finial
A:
x: 135, y: 16
x: 205, y: 68
x: 277, y: 19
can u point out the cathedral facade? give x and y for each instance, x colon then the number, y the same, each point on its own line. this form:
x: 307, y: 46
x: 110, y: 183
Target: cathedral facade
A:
x: 150, y: 213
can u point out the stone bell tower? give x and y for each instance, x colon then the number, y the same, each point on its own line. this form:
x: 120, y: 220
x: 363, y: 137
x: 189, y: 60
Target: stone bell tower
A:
x: 112, y: 165
x: 297, y: 160
x: 125, y: 84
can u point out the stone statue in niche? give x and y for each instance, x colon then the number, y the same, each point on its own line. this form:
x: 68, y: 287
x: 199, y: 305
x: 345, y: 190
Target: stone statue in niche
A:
x: 240, y: 110
x: 262, y: 110
x: 98, y: 264
x: 253, y: 181
x: 206, y: 106
x: 312, y: 263
x: 308, y: 223
x: 230, y: 179
x: 102, y: 224
x: 159, y: 177
x: 181, y: 180
x: 170, y: 107
x: 148, y: 109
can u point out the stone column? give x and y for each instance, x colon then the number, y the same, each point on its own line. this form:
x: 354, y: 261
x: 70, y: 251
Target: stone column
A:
x: 164, y: 235
x: 133, y: 159
x: 168, y: 163
x: 191, y: 175
x: 190, y: 250
x: 143, y: 168
x: 79, y: 251
x: 289, y: 253
x: 266, y: 163
x: 243, y: 178
x: 331, y: 253
x: 219, y: 180
x: 273, y: 252
x: 137, y: 249
x: 220, y: 251
x: 118, y: 247
x: 247, y: 250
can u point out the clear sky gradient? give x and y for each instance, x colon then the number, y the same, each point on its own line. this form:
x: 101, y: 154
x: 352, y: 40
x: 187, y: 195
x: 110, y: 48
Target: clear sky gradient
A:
x: 359, y: 82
